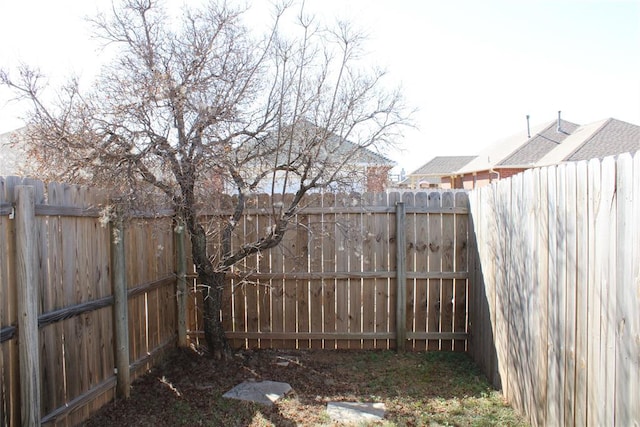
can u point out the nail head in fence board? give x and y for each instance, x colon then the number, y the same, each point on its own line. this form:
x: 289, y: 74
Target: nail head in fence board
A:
x: 26, y: 268
x: 121, y: 317
x: 401, y: 278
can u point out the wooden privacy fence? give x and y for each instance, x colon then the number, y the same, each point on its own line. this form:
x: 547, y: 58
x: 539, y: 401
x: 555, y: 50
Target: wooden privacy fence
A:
x: 355, y: 271
x: 555, y: 306
x: 63, y: 328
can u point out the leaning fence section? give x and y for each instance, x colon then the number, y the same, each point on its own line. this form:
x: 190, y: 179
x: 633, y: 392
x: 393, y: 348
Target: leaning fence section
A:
x: 554, y: 310
x: 334, y: 281
x: 71, y: 274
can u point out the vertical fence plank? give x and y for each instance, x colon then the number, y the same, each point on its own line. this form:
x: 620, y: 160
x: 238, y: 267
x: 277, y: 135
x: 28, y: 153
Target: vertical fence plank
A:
x: 26, y: 275
x: 632, y: 323
x: 264, y: 266
x: 608, y: 281
x: 315, y: 224
x: 581, y: 293
x: 181, y: 291
x: 421, y: 265
x: 251, y: 234
x: 502, y: 259
x: 435, y: 264
x: 392, y: 288
x: 6, y: 390
x: 368, y: 265
x: 302, y: 241
x: 382, y: 264
x: 409, y: 268
x: 531, y: 284
x: 342, y: 229
x: 329, y: 265
x: 121, y: 320
x: 291, y: 259
x: 448, y: 255
x: 626, y: 300
x: 595, y: 374
x: 401, y: 278
x: 554, y: 399
x: 354, y: 253
x: 461, y: 265
x: 542, y: 267
x: 569, y: 171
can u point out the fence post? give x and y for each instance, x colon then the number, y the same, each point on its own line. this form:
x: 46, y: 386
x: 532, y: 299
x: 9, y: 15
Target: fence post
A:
x: 27, y: 280
x: 182, y: 283
x: 401, y: 279
x: 120, y: 308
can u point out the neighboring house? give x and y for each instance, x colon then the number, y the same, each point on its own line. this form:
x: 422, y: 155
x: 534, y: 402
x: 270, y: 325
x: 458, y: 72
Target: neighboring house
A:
x: 364, y: 171
x: 552, y: 143
x: 13, y: 157
x: 430, y: 175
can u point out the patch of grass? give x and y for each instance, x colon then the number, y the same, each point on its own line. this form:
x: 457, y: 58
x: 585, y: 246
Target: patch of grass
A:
x: 429, y: 389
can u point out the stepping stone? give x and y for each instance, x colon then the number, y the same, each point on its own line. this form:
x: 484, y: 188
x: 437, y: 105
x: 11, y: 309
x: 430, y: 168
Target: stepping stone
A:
x: 263, y: 392
x: 355, y: 412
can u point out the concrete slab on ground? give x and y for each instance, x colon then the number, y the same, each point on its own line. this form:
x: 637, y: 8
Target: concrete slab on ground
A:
x: 263, y: 392
x: 355, y: 412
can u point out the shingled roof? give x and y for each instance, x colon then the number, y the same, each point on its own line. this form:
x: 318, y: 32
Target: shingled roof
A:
x: 539, y: 145
x: 613, y: 137
x: 442, y: 165
x: 596, y: 140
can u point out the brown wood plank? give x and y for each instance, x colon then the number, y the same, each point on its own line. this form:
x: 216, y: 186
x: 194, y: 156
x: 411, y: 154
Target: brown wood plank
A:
x: 382, y: 309
x: 315, y: 224
x: 461, y: 264
x: 250, y: 233
x: 368, y: 264
x: 263, y: 265
x: 421, y: 265
x: 329, y: 243
x: 238, y: 290
x: 302, y: 253
x: 342, y: 230
x: 277, y: 287
x: 292, y: 260
x: 354, y: 253
x: 393, y: 198
x: 410, y: 254
x: 448, y: 257
x: 435, y: 248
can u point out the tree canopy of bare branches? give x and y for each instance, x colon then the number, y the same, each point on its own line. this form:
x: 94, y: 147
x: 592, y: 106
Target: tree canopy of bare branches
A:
x: 204, y: 105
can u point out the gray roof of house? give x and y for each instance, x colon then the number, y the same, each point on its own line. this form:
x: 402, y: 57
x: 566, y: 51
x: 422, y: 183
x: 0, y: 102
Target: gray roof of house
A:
x: 613, y: 137
x: 366, y: 155
x: 443, y: 165
x: 539, y: 145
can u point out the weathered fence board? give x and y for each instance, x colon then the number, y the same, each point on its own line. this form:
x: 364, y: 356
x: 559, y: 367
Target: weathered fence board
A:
x: 556, y: 291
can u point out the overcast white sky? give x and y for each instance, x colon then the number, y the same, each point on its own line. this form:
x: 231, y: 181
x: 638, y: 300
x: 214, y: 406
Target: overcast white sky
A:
x: 474, y: 69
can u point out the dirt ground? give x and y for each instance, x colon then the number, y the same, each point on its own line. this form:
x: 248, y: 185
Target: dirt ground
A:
x: 417, y: 389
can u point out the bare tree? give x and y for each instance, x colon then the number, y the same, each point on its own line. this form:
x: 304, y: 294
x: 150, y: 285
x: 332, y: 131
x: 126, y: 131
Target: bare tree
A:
x: 193, y: 109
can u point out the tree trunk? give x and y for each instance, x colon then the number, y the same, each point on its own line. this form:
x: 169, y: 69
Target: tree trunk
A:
x: 213, y: 331
x: 212, y: 282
